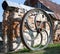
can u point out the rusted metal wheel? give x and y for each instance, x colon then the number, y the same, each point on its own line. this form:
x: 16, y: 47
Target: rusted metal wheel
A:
x: 14, y: 38
x: 4, y: 29
x: 11, y: 36
x: 36, y: 28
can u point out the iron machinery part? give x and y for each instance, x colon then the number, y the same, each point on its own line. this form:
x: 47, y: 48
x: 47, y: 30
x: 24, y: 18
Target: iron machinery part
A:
x: 15, y: 35
x: 34, y: 25
x: 11, y: 28
x: 11, y: 39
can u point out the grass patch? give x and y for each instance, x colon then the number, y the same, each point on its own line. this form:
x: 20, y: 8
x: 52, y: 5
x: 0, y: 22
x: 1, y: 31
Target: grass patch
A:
x: 51, y: 49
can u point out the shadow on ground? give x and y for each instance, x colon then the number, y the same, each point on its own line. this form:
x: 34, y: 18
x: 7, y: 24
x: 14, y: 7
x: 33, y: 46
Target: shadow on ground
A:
x: 51, y: 49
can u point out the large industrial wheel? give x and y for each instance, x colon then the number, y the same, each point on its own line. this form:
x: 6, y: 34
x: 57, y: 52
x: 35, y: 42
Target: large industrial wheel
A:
x: 15, y: 39
x: 11, y: 36
x: 36, y: 29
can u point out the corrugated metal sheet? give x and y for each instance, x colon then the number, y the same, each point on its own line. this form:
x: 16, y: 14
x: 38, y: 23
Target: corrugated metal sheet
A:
x: 53, y: 6
x: 12, y: 4
x: 27, y: 8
